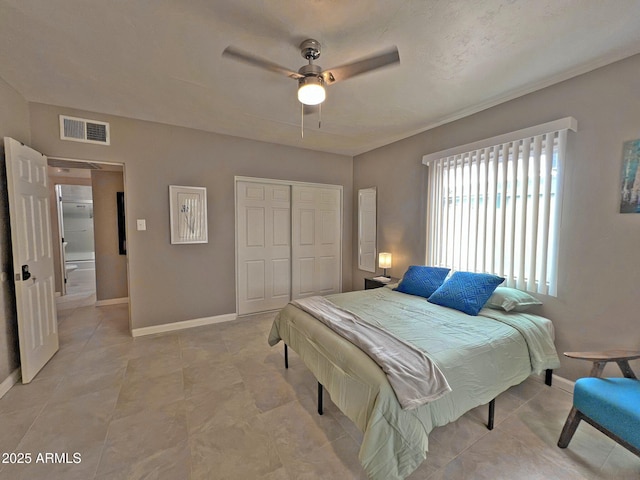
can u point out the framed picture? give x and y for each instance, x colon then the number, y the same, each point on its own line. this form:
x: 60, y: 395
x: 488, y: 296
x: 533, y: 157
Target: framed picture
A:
x: 630, y: 178
x: 367, y: 229
x: 122, y: 237
x: 188, y: 214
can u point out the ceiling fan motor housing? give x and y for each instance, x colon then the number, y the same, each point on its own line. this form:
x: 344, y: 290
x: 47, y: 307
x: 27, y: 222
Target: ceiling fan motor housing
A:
x: 310, y: 49
x: 310, y: 70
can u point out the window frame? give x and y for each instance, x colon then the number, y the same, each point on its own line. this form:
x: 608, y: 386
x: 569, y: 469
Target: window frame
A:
x: 495, y: 157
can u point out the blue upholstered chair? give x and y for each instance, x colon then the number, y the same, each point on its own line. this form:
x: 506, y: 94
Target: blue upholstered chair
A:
x: 612, y: 405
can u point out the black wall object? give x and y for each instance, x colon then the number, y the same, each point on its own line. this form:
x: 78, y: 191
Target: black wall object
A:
x: 122, y: 239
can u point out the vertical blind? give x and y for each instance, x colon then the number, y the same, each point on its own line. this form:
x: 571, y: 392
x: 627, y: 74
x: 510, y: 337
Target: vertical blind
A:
x: 494, y: 206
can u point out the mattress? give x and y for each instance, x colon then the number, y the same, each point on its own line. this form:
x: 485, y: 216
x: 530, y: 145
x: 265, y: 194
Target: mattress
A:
x: 480, y: 356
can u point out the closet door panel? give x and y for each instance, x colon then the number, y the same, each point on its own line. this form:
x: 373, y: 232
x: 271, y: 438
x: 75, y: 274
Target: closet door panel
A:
x: 289, y: 243
x: 317, y: 241
x: 254, y: 227
x: 326, y: 278
x: 305, y: 273
x: 281, y: 227
x: 281, y: 279
x: 306, y: 231
x: 263, y: 246
x: 255, y: 280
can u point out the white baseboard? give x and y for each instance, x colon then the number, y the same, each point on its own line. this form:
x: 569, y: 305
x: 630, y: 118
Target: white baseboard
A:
x: 170, y: 327
x: 112, y: 301
x: 10, y: 381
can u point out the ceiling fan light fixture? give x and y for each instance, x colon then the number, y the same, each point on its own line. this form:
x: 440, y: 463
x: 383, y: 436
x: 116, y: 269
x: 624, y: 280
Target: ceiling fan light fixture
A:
x: 311, y: 90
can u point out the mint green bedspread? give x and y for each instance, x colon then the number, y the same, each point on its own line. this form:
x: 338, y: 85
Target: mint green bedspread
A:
x: 480, y: 357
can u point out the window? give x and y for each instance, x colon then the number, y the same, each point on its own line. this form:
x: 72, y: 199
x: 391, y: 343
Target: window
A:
x: 494, y: 206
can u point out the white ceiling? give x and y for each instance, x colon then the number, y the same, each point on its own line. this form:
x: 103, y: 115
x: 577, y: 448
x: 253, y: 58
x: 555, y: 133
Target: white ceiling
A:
x: 160, y: 60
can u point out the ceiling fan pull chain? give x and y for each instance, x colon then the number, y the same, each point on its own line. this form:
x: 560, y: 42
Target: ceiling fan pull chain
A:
x: 319, y: 116
x: 302, y: 120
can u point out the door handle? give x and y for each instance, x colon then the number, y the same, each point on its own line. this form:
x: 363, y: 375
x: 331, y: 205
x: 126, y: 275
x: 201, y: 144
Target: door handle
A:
x: 26, y: 275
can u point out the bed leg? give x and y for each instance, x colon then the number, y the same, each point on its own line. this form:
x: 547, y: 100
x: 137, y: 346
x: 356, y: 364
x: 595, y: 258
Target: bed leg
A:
x: 320, y: 399
x: 548, y: 375
x: 286, y: 356
x: 492, y: 411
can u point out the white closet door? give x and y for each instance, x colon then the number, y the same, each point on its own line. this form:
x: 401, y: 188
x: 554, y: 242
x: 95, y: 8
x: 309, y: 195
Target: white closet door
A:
x: 316, y: 241
x: 263, y: 246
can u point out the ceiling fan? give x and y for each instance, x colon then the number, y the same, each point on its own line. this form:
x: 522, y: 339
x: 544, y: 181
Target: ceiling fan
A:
x: 311, y: 78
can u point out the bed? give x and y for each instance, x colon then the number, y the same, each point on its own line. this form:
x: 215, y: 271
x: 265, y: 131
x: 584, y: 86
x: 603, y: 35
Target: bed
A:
x: 480, y: 356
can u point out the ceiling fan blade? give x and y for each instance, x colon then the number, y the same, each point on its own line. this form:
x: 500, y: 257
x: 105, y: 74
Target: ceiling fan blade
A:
x: 383, y: 59
x: 236, y: 54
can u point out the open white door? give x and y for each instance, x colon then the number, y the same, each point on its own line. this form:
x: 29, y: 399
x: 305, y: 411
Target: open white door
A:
x: 27, y: 185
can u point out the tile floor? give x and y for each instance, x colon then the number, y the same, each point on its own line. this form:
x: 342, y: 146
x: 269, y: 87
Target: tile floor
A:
x: 216, y: 403
x: 81, y: 284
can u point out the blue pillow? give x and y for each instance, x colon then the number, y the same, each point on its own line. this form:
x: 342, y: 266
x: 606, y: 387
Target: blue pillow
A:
x: 466, y: 291
x: 421, y: 280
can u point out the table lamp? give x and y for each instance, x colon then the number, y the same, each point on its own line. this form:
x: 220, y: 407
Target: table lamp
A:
x: 384, y: 262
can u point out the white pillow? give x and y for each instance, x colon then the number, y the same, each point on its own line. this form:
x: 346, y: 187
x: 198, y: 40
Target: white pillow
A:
x: 511, y: 299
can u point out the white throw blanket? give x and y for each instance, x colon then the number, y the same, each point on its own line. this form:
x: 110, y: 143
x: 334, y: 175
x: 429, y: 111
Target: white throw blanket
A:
x: 413, y: 376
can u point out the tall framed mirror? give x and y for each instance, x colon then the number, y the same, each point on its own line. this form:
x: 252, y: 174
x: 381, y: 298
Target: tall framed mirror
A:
x: 367, y: 229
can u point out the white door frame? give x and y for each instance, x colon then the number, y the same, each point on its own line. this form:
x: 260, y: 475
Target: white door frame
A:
x: 238, y: 178
x: 63, y: 271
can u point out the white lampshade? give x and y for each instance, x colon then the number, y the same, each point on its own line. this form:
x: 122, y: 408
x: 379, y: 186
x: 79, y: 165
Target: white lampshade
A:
x: 311, y: 90
x: 384, y: 260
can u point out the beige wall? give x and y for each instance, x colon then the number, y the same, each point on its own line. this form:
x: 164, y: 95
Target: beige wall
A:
x: 14, y: 122
x: 171, y: 283
x: 598, y: 304
x: 111, y: 267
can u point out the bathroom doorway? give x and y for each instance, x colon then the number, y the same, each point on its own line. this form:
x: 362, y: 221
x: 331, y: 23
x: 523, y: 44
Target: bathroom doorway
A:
x: 75, y: 213
x: 87, y: 212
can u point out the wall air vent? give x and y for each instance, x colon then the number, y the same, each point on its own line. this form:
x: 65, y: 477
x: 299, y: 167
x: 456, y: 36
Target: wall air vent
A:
x: 83, y: 130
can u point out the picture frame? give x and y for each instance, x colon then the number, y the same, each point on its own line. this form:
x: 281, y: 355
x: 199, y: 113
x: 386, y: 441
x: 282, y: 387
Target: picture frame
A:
x: 188, y: 214
x: 122, y: 236
x: 367, y: 229
x: 630, y: 177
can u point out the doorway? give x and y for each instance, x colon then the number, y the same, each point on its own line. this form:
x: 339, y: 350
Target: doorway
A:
x: 75, y: 215
x: 90, y: 254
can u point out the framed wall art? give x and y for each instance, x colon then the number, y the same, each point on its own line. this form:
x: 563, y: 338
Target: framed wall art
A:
x: 188, y: 214
x: 630, y: 178
x: 122, y: 236
x: 367, y: 229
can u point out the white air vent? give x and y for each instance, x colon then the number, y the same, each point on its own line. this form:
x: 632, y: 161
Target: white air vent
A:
x: 83, y: 130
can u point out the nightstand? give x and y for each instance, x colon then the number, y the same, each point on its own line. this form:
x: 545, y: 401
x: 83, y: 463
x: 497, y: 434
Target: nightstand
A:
x: 370, y: 283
